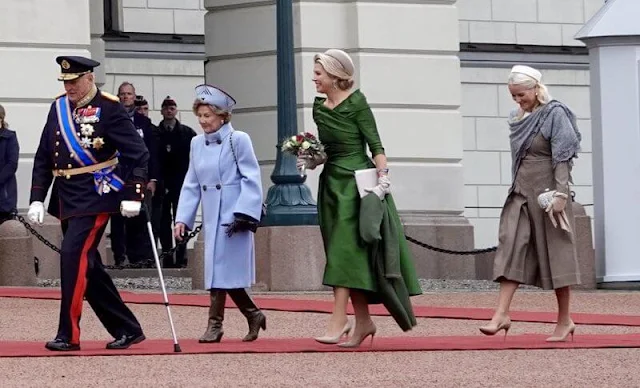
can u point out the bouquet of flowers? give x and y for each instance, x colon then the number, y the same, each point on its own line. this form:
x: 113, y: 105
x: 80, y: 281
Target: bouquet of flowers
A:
x: 305, y: 144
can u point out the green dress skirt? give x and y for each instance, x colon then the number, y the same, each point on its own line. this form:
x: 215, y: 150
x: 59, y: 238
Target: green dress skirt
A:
x: 345, y: 132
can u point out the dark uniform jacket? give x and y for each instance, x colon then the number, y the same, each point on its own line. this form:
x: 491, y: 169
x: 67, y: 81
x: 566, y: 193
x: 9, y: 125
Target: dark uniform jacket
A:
x: 9, y: 153
x: 112, y: 135
x: 174, y: 149
x: 146, y: 130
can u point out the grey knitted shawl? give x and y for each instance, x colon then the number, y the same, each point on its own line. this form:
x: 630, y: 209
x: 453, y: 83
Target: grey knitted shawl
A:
x: 556, y: 123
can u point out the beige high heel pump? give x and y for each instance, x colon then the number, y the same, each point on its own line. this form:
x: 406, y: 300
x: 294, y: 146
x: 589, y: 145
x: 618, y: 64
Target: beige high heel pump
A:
x: 334, y: 340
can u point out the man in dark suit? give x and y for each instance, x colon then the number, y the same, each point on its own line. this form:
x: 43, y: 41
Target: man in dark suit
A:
x: 99, y: 163
x: 129, y: 237
x: 174, y: 148
x: 142, y: 107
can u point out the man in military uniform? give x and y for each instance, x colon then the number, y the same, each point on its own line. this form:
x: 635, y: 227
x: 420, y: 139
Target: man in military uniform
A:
x: 99, y: 163
x: 142, y: 105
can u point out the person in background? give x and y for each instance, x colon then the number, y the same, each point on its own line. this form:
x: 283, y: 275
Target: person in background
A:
x: 9, y: 154
x: 536, y: 246
x: 175, y: 140
x: 154, y: 202
x: 130, y: 237
x: 142, y: 106
x: 224, y: 176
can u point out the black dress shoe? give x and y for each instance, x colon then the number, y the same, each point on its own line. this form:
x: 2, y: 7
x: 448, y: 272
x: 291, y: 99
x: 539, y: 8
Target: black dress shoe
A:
x: 61, y: 345
x: 125, y: 341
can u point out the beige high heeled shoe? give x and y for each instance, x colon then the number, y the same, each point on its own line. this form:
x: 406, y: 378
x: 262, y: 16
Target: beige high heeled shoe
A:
x: 334, y: 340
x: 569, y: 329
x: 356, y: 341
x: 493, y: 328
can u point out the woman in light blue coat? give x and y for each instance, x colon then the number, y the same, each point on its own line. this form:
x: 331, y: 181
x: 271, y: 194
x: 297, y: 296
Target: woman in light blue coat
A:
x: 224, y: 175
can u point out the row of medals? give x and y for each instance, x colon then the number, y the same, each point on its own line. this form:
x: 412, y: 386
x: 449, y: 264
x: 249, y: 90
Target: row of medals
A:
x: 86, y: 131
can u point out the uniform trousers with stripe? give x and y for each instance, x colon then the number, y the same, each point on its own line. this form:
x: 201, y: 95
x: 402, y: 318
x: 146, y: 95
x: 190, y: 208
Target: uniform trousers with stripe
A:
x: 83, y: 275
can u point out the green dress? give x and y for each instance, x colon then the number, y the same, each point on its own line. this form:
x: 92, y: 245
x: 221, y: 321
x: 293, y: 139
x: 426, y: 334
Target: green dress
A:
x: 345, y: 131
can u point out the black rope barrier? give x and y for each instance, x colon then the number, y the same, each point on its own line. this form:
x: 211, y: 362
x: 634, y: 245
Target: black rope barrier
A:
x: 193, y: 233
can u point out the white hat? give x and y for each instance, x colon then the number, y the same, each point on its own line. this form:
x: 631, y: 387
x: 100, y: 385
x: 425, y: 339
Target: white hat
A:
x: 215, y: 96
x: 528, y: 71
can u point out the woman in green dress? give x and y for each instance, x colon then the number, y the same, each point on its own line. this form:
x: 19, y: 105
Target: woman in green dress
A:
x: 354, y: 268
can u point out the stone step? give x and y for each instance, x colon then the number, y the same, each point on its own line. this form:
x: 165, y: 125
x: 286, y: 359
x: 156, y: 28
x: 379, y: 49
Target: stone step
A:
x: 184, y: 273
x: 109, y: 253
x: 149, y: 272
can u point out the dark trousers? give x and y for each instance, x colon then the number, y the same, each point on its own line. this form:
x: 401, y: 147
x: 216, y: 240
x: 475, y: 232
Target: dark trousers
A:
x: 156, y: 213
x: 4, y: 216
x: 130, y: 238
x: 169, y: 209
x: 118, y: 238
x: 82, y: 275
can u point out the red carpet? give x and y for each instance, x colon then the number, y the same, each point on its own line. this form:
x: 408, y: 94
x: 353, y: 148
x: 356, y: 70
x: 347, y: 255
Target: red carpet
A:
x: 289, y: 345
x: 320, y: 306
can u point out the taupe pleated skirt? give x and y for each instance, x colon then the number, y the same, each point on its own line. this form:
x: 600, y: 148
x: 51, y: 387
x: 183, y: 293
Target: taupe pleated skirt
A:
x: 531, y: 250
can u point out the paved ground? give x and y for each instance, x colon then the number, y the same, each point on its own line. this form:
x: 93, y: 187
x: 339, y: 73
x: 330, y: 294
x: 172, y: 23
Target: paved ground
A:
x: 36, y: 320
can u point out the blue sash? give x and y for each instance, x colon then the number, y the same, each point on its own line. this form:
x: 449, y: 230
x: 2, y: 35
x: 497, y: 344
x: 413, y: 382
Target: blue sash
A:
x: 105, y: 179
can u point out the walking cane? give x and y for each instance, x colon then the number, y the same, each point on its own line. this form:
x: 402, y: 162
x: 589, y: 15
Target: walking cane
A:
x: 176, y: 345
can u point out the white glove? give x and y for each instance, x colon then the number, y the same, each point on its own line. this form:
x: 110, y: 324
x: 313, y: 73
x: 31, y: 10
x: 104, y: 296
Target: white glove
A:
x: 36, y: 213
x: 557, y: 208
x: 383, y: 188
x: 130, y: 208
x: 305, y: 160
x: 302, y: 162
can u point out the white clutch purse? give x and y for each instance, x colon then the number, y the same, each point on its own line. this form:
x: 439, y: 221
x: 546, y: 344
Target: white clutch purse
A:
x: 366, y: 179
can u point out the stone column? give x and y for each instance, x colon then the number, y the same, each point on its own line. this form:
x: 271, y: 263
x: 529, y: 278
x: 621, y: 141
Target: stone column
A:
x: 409, y: 72
x: 32, y: 34
x: 16, y: 265
x: 613, y: 39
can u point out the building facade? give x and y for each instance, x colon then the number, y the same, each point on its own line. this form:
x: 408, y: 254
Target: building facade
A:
x: 434, y: 73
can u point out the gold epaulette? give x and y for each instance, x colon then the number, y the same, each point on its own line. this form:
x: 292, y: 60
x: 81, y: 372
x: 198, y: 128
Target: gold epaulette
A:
x: 109, y: 96
x: 60, y: 95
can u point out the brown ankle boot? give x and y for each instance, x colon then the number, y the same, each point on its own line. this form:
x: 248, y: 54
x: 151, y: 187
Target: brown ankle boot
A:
x: 216, y: 316
x: 255, y: 318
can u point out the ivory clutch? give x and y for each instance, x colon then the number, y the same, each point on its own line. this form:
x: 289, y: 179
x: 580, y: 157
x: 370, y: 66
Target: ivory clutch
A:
x: 366, y: 179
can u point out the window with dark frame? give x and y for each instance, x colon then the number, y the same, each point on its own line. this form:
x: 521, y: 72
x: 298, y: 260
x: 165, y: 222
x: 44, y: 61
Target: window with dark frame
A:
x: 110, y: 16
